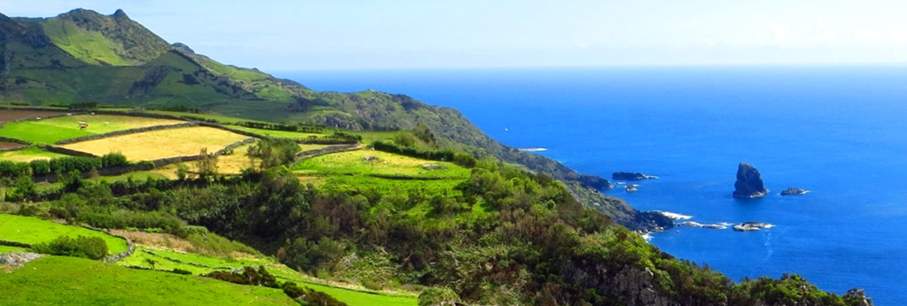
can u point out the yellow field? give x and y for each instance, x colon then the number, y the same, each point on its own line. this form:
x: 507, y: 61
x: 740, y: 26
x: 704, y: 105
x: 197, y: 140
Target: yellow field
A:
x: 234, y: 163
x: 28, y: 155
x: 161, y: 143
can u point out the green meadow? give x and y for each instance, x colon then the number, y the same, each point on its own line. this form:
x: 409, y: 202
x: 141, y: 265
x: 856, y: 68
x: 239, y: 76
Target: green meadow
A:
x: 33, y: 230
x: 54, y: 280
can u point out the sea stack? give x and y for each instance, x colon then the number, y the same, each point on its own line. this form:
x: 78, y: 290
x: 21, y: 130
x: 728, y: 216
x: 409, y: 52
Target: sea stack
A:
x: 749, y: 183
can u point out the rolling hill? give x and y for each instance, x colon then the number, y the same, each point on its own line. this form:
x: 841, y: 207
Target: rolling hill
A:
x: 86, y: 57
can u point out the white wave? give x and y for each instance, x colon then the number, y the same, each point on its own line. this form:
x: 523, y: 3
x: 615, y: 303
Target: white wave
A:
x: 534, y: 149
x: 673, y: 216
x: 647, y: 237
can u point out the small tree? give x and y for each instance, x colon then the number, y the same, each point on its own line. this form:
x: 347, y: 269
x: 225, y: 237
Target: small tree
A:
x: 207, y: 165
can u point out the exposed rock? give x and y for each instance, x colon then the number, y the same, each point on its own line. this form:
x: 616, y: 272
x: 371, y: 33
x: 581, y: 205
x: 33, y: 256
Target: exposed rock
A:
x: 749, y: 182
x: 631, y: 176
x: 751, y: 226
x: 17, y: 259
x: 794, y: 191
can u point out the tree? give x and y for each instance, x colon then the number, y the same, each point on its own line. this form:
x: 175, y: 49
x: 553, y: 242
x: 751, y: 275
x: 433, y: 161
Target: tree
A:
x: 206, y: 165
x: 274, y: 152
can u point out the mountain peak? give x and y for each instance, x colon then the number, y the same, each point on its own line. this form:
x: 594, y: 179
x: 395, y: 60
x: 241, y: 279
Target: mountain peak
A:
x: 120, y: 14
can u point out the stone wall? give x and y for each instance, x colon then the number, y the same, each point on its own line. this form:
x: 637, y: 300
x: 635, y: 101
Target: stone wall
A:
x: 15, y: 244
x: 326, y: 150
x: 66, y: 151
x: 127, y: 132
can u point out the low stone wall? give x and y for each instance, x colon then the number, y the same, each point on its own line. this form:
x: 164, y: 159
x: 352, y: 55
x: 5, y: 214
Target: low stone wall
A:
x: 237, y: 131
x: 127, y: 132
x: 14, y: 148
x: 130, y: 247
x: 24, y: 143
x: 66, y: 151
x: 234, y: 146
x: 326, y: 150
x: 15, y: 244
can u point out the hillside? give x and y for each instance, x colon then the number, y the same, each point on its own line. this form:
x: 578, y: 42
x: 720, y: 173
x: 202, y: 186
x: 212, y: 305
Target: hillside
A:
x: 82, y: 56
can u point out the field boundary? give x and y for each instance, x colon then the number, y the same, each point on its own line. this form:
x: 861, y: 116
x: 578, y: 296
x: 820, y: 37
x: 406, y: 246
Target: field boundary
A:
x: 325, y: 151
x: 62, y: 150
x: 127, y: 132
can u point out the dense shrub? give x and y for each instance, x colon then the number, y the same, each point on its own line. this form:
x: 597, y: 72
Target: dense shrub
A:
x: 308, y: 296
x: 441, y: 155
x: 10, y: 169
x: 85, y: 247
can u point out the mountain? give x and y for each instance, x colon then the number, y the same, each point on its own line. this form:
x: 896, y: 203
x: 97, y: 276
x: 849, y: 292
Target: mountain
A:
x: 84, y: 56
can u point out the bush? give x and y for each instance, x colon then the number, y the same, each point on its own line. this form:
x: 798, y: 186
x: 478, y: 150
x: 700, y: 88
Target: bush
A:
x: 85, y: 247
x: 437, y: 296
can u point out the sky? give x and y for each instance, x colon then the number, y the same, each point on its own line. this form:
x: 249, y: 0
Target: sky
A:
x: 420, y: 34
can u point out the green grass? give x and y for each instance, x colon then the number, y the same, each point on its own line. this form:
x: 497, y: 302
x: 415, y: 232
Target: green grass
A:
x: 66, y: 127
x: 33, y: 230
x: 351, y: 297
x: 56, y: 280
x: 28, y: 154
x: 387, y: 164
x: 4, y: 249
x: 90, y: 47
x: 280, y: 134
x: 140, y: 257
x: 38, y: 133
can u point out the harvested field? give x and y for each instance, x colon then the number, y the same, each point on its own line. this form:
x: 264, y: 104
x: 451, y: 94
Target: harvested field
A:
x: 10, y: 115
x: 28, y: 154
x: 4, y: 145
x: 234, y: 163
x: 161, y: 143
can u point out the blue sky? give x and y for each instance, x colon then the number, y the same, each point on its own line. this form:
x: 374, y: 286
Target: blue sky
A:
x: 345, y: 34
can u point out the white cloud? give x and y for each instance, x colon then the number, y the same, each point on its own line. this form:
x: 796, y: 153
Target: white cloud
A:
x: 869, y: 36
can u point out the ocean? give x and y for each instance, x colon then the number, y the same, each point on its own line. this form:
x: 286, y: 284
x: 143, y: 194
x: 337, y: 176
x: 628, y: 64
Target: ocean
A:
x: 839, y: 132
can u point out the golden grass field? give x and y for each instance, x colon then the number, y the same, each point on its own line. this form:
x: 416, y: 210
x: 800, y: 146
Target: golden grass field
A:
x: 161, y: 143
x: 27, y: 155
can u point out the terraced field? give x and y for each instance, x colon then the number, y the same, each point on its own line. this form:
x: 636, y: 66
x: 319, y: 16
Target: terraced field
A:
x: 13, y: 114
x: 28, y: 154
x: 161, y: 143
x: 66, y: 127
x: 54, y: 280
x: 33, y: 230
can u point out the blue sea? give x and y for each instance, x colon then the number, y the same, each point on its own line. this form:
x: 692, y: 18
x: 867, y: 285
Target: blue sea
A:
x: 840, y: 132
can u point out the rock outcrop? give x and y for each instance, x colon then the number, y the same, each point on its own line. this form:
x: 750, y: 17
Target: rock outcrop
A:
x: 794, y: 191
x: 631, y: 176
x: 16, y: 260
x: 749, y: 183
x: 751, y: 226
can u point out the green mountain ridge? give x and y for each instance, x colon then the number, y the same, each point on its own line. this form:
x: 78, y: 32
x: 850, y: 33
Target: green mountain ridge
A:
x: 84, y: 56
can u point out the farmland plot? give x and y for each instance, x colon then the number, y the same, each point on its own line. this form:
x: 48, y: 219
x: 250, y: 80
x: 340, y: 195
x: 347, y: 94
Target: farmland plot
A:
x: 161, y: 143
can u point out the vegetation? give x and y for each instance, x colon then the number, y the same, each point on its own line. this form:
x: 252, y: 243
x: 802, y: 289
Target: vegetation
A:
x: 72, y: 281
x: 34, y: 231
x: 85, y: 247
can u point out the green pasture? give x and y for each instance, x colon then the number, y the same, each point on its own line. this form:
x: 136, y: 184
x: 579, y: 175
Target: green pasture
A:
x: 278, y: 134
x: 66, y: 127
x: 56, y: 280
x: 4, y: 249
x: 385, y: 165
x: 33, y: 230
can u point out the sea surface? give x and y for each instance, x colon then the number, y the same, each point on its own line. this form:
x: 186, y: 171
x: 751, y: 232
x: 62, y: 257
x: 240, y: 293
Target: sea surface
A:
x: 840, y: 132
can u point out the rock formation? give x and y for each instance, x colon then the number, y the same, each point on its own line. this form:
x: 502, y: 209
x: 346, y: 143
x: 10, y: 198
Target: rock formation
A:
x: 749, y: 182
x: 631, y: 176
x: 794, y: 191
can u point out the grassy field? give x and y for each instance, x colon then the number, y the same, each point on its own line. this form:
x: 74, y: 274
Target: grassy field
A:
x: 161, y: 143
x: 60, y: 128
x: 141, y: 255
x: 33, y: 230
x: 28, y: 154
x: 354, y: 163
x: 73, y: 281
x: 4, y: 249
x: 279, y: 134
x: 14, y: 114
x: 233, y: 163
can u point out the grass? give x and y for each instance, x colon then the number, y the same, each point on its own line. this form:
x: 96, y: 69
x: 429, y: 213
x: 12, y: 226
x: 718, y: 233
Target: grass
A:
x: 56, y: 280
x: 280, y: 134
x: 354, y: 163
x: 4, y: 249
x: 233, y: 163
x: 33, y: 230
x: 61, y: 128
x: 28, y: 154
x: 161, y: 143
x: 140, y: 257
x: 88, y: 46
